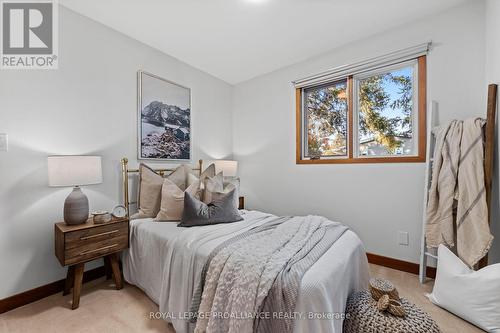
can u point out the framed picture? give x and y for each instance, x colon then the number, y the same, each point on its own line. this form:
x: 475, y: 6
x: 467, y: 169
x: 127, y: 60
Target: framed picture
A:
x: 164, y: 119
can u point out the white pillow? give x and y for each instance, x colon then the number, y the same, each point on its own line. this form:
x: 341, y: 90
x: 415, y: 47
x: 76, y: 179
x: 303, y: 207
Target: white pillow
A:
x: 471, y: 295
x: 221, y: 185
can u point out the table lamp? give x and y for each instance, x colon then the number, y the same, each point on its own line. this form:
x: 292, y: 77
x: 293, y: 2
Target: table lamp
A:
x: 75, y: 171
x: 228, y: 168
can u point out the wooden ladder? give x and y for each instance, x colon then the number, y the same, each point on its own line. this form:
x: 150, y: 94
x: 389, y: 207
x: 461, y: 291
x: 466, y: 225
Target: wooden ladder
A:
x: 489, y: 146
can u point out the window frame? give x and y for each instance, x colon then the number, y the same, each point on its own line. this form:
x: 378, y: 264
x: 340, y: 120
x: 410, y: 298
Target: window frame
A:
x: 419, y: 135
x: 305, y: 124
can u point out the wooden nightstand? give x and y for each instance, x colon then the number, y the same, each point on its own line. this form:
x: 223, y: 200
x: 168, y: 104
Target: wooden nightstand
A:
x: 77, y: 244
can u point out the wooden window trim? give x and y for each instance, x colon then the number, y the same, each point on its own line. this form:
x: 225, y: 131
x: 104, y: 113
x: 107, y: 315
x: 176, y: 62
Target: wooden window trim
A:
x: 421, y: 135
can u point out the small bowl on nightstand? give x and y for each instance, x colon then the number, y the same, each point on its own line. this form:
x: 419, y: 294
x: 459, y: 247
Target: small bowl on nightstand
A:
x: 101, y: 216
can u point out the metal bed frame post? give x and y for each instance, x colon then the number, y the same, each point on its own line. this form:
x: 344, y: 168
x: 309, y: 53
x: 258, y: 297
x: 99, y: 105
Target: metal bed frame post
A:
x: 125, y: 184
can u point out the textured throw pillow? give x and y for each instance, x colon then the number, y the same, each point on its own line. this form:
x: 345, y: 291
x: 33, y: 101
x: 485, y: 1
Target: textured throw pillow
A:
x: 210, y: 185
x: 150, y: 185
x: 220, y: 210
x: 221, y: 185
x: 172, y: 199
x: 233, y: 183
x: 209, y: 172
x: 471, y: 295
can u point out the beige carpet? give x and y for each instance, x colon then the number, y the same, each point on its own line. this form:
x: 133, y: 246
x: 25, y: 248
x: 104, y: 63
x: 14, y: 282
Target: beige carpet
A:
x: 104, y: 309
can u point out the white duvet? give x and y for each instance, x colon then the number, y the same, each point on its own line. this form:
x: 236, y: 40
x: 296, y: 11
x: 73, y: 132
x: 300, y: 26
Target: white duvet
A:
x: 165, y: 261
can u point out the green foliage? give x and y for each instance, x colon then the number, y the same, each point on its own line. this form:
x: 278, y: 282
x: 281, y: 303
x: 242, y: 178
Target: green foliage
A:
x: 372, y: 101
x: 327, y: 114
x: 405, y: 101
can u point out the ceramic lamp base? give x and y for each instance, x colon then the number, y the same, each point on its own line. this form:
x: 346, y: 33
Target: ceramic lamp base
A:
x: 76, y: 207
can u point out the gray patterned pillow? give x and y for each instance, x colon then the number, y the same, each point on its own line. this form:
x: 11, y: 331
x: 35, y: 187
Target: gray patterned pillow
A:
x: 220, y: 210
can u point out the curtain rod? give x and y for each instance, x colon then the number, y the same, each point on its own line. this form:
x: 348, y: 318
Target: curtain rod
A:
x: 359, y: 66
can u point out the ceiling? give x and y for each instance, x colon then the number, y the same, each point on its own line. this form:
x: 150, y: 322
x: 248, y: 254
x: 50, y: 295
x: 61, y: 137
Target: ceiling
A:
x: 236, y: 40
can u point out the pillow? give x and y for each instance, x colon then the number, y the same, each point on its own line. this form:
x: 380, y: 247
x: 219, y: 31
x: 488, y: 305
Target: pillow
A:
x: 209, y: 172
x: 471, y: 295
x: 212, y: 184
x: 172, y: 199
x: 229, y: 184
x: 220, y: 210
x: 232, y: 180
x: 150, y: 185
x: 221, y: 185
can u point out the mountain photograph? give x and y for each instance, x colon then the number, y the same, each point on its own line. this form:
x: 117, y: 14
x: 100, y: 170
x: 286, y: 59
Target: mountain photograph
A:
x: 165, y: 120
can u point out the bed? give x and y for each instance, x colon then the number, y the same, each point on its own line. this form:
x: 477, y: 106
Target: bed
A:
x: 166, y: 262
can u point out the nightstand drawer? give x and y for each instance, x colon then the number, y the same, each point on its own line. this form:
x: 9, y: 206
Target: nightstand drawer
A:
x: 76, y: 244
x: 82, y: 238
x: 95, y: 249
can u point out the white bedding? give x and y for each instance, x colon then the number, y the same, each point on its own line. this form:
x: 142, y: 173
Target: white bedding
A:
x: 166, y: 262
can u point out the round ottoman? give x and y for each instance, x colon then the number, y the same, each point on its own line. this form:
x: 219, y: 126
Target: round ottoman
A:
x: 362, y: 316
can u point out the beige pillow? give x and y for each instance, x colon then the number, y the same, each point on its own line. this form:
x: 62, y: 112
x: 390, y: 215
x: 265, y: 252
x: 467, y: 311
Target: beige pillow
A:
x: 150, y: 185
x: 172, y: 199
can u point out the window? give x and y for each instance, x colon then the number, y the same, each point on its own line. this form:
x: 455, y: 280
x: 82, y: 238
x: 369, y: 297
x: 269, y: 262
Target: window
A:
x: 375, y: 116
x: 325, y: 109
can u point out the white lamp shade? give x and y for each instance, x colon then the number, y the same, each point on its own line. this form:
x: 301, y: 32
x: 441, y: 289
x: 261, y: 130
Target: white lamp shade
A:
x: 74, y: 170
x: 228, y: 168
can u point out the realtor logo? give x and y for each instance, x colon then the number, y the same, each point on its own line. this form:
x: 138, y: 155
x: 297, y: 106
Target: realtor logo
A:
x: 29, y: 34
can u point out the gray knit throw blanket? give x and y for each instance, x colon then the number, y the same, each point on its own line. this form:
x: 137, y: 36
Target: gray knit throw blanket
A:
x: 251, y: 277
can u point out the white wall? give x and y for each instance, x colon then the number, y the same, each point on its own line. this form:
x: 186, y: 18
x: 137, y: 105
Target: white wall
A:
x: 87, y: 106
x: 375, y: 200
x: 493, y: 76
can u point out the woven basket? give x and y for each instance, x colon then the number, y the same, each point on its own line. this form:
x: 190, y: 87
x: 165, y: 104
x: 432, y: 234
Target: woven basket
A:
x: 391, y: 305
x: 380, y: 287
x: 362, y: 316
x: 383, y: 303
